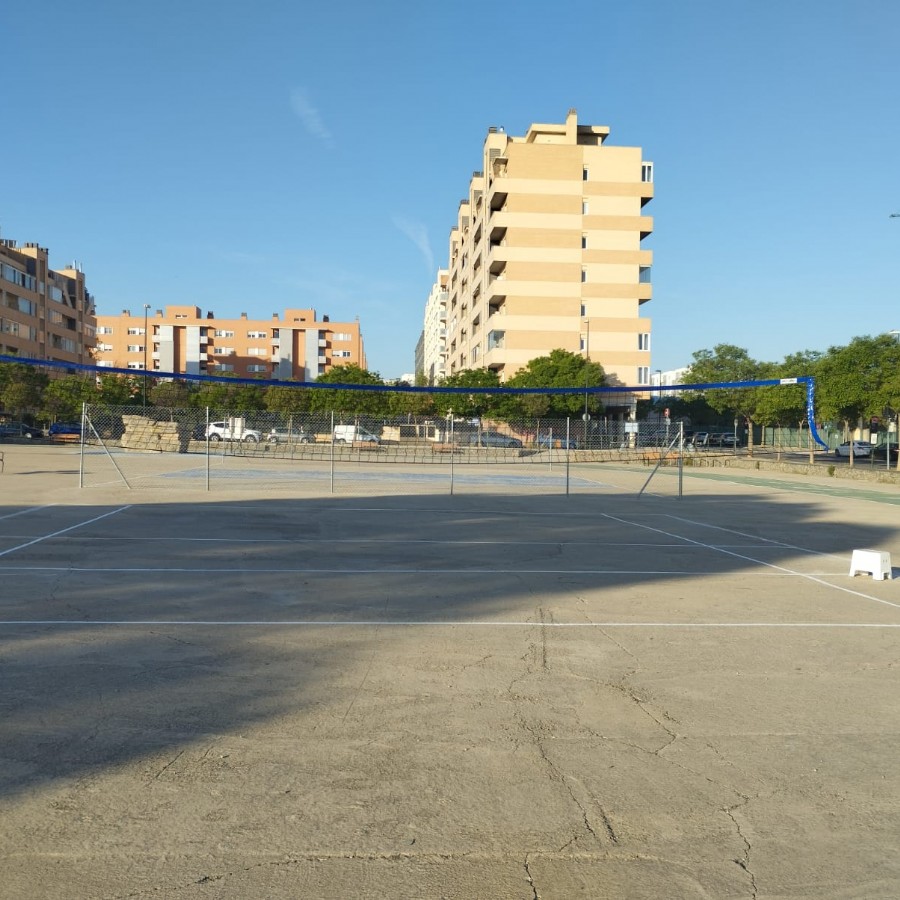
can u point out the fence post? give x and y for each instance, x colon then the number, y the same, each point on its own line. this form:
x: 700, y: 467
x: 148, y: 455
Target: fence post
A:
x: 332, y: 451
x: 680, y: 458
x: 568, y: 434
x: 207, y: 449
x: 452, y: 454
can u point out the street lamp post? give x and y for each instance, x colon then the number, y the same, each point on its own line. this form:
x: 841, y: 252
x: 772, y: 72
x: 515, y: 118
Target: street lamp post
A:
x: 144, y: 393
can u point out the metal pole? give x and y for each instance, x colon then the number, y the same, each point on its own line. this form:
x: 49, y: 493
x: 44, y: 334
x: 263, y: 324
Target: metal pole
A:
x: 146, y: 308
x: 81, y: 463
x: 452, y: 454
x: 332, y: 451
x: 207, y: 448
x: 680, y: 459
x: 568, y: 433
x: 587, y: 359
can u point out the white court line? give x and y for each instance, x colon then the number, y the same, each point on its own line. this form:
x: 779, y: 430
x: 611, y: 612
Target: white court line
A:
x: 760, y: 562
x: 46, y: 537
x: 764, y: 540
x: 30, y: 509
x: 387, y: 623
x: 355, y: 570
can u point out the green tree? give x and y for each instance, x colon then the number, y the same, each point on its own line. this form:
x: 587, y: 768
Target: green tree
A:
x: 726, y: 362
x: 560, y: 369
x: 21, y: 388
x: 63, y: 398
x: 468, y: 405
x: 171, y: 394
x: 287, y: 400
x: 350, y: 402
x: 858, y: 381
x: 120, y: 390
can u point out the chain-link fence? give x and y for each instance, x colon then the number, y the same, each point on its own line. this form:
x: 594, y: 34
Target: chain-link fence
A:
x: 210, y: 448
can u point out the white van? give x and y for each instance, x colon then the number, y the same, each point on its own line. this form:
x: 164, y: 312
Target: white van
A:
x: 348, y: 434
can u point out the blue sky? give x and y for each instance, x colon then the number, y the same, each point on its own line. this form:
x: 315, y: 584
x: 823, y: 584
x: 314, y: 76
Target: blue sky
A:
x: 252, y: 157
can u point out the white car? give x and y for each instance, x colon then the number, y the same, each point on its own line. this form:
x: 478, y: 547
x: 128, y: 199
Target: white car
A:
x: 860, y: 448
x: 226, y: 431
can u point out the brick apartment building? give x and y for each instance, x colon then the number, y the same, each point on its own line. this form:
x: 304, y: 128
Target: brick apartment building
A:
x: 297, y: 346
x: 44, y: 313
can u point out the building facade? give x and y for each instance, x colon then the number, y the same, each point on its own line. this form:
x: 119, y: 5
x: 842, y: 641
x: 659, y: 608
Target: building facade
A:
x: 548, y: 253
x: 44, y: 313
x: 297, y: 347
x: 434, y: 333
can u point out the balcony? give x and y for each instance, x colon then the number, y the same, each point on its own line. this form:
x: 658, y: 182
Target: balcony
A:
x: 496, y: 340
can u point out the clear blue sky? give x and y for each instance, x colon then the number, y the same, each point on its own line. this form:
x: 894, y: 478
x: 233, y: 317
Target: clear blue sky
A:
x: 256, y: 156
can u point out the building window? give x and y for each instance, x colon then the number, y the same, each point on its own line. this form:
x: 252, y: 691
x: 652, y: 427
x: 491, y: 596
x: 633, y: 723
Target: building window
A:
x: 257, y: 351
x: 223, y: 351
x: 257, y: 334
x: 585, y: 207
x: 225, y: 334
x: 134, y: 331
x: 584, y: 174
x: 583, y: 275
x: 584, y: 242
x: 341, y: 336
x: 643, y: 374
x: 135, y: 348
x: 583, y: 310
x: 104, y: 363
x: 224, y: 367
x: 341, y: 354
x: 647, y: 172
x: 257, y: 368
x: 104, y: 329
x: 134, y: 365
x: 644, y: 341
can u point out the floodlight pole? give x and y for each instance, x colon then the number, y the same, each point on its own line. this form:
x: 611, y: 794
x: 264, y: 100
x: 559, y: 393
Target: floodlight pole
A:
x: 144, y: 393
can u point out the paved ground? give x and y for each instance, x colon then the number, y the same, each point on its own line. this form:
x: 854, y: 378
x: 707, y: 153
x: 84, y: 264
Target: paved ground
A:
x: 468, y: 696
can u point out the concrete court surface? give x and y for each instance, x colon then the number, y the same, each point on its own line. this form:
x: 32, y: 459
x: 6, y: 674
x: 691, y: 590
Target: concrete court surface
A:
x: 484, y: 696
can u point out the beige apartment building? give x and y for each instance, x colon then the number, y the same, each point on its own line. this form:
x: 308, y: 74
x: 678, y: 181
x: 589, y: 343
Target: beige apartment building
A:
x: 548, y: 253
x: 182, y: 339
x: 44, y: 313
x: 434, y: 333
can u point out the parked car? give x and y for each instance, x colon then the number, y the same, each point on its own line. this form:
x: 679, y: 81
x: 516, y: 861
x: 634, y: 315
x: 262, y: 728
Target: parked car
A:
x: 860, y: 448
x: 881, y: 451
x: 493, y: 439
x: 723, y: 439
x: 696, y: 439
x: 19, y: 430
x: 288, y: 437
x: 348, y: 434
x: 64, y: 428
x: 545, y: 441
x: 231, y: 431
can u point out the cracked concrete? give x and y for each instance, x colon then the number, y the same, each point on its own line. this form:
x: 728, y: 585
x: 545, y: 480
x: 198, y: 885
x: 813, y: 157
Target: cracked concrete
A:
x: 483, y: 733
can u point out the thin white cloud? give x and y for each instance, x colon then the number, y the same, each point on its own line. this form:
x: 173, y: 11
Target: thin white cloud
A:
x: 309, y: 115
x: 416, y: 232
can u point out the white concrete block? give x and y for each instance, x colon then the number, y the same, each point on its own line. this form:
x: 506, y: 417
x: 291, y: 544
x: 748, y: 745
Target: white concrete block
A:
x: 876, y: 563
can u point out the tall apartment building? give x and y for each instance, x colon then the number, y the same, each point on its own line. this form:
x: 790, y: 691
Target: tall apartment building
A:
x: 44, y: 314
x: 547, y: 253
x: 434, y: 334
x: 182, y: 339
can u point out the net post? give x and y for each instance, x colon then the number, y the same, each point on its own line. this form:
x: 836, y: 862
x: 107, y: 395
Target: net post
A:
x: 680, y: 460
x: 568, y: 433
x: 81, y: 461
